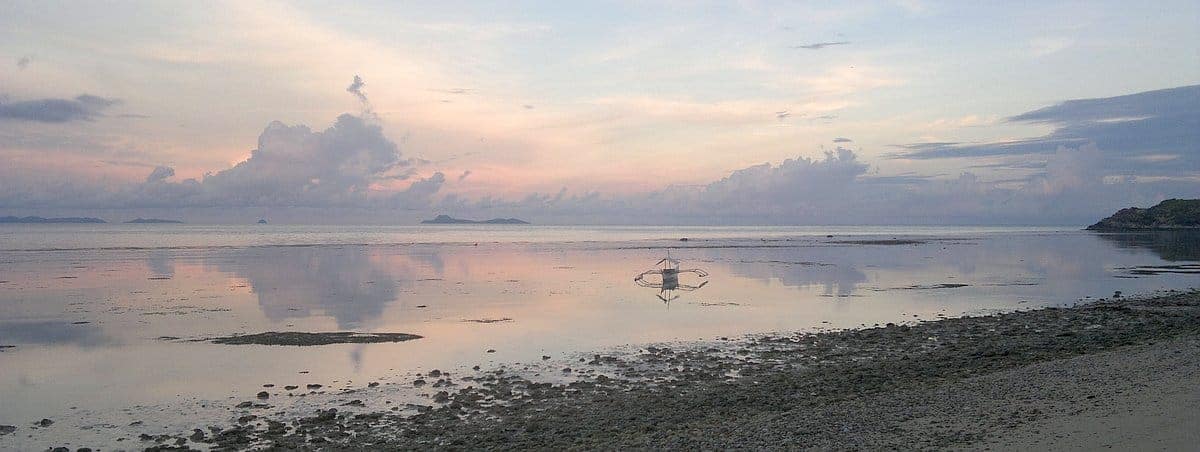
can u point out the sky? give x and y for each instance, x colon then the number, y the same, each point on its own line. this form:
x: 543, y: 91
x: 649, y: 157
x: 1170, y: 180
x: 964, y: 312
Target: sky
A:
x: 890, y: 112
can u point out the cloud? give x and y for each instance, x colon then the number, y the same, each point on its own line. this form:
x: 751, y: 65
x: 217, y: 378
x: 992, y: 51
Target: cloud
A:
x: 1127, y: 130
x: 464, y: 175
x: 24, y: 62
x: 820, y: 45
x: 351, y: 164
x: 160, y: 173
x: 295, y: 165
x: 84, y: 107
x: 356, y: 88
x: 841, y: 189
x: 842, y: 140
x: 1047, y: 45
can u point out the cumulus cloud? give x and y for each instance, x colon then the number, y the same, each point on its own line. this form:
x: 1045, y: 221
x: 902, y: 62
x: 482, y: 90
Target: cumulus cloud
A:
x: 84, y: 107
x: 292, y: 167
x: 294, y: 164
x: 839, y: 188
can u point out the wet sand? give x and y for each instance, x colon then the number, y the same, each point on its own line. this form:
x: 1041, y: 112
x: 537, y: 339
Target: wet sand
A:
x: 1120, y: 373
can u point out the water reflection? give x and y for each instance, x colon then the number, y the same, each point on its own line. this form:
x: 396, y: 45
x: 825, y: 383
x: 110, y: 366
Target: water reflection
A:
x: 342, y: 283
x: 161, y: 264
x: 1169, y: 245
x: 83, y: 334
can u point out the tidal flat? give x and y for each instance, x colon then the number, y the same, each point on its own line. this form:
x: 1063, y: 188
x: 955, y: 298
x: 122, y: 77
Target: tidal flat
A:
x: 949, y: 383
x: 107, y: 332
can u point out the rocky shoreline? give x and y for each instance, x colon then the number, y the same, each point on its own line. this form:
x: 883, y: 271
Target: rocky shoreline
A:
x: 952, y: 383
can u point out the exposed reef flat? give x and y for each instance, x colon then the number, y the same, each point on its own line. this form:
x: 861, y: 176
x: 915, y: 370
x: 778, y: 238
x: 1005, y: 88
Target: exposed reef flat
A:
x: 153, y: 221
x: 880, y: 242
x: 294, y: 338
x: 1016, y: 380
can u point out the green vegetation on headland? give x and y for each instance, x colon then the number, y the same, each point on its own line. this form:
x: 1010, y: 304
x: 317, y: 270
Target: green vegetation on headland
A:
x: 1169, y: 214
x: 41, y: 220
x: 152, y: 221
x: 446, y: 219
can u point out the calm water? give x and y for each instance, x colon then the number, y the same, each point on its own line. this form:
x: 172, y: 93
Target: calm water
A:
x: 85, y: 306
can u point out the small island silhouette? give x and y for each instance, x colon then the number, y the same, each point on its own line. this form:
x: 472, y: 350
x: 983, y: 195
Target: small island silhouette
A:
x: 41, y: 220
x: 446, y: 219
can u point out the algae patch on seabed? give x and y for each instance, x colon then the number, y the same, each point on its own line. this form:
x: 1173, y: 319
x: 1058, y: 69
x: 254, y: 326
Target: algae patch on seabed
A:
x: 296, y: 338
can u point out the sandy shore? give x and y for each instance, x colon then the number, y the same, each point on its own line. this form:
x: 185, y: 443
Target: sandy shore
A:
x: 1118, y: 373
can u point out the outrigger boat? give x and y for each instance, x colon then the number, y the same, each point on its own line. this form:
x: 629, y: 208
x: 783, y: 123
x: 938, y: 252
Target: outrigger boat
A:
x: 668, y: 270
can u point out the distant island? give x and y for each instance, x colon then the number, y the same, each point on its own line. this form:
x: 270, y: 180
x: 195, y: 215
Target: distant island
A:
x: 446, y: 219
x: 1169, y: 214
x: 41, y: 220
x: 152, y: 221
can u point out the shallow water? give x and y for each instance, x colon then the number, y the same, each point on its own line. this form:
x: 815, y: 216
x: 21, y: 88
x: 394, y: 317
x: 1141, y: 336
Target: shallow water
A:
x: 86, y: 307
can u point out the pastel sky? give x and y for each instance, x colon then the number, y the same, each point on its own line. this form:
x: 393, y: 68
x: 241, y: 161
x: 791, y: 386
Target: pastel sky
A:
x: 606, y: 112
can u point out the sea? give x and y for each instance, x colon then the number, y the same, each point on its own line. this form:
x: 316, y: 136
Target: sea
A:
x: 105, y: 328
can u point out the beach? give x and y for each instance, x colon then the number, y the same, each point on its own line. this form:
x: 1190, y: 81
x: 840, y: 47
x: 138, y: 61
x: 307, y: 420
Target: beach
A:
x: 1114, y: 373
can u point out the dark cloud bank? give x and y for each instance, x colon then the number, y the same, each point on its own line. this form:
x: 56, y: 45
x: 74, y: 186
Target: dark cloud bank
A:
x: 1104, y: 154
x: 1154, y: 132
x: 84, y: 107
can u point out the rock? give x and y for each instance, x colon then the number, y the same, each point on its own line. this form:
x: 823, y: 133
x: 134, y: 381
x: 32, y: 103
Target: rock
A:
x: 44, y: 423
x: 491, y: 350
x: 435, y: 373
x: 7, y: 429
x: 545, y: 357
x: 264, y: 395
x: 269, y: 385
x: 372, y: 384
x: 197, y: 435
x: 355, y: 402
x: 246, y: 418
x: 327, y: 415
x: 419, y: 382
x: 313, y: 386
x: 291, y: 387
x: 244, y: 405
x: 297, y: 338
